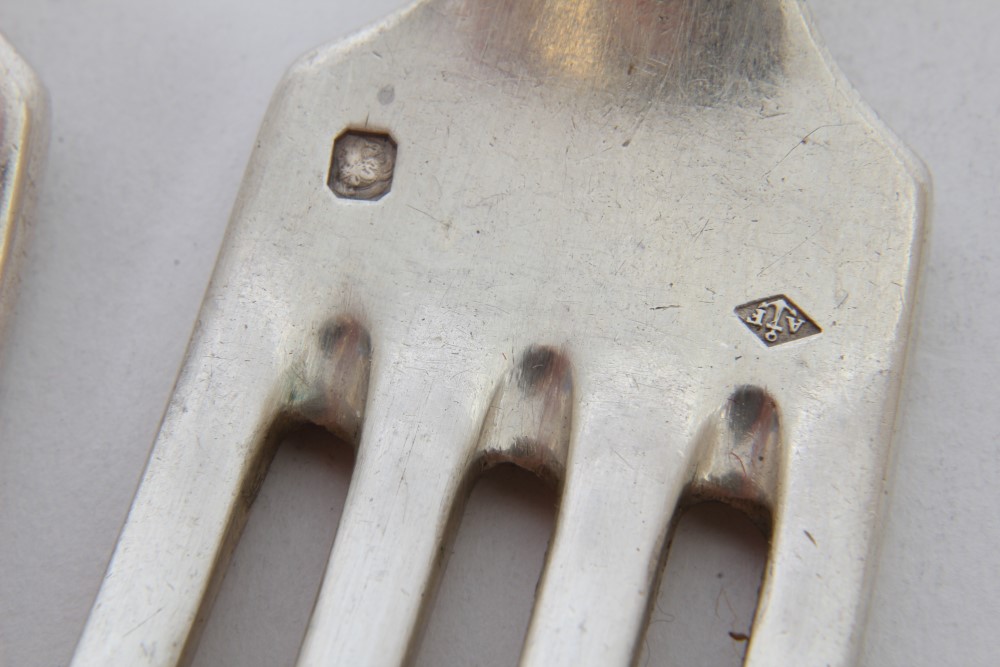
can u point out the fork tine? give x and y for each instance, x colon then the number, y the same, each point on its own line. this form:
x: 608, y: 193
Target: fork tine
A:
x: 185, y: 518
x: 412, y: 477
x: 814, y: 596
x: 593, y: 599
x: 406, y: 480
x: 216, y: 441
x: 212, y: 450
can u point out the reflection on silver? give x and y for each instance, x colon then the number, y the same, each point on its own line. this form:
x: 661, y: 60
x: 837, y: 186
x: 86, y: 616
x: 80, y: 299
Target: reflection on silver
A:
x: 23, y: 138
x: 583, y: 193
x: 693, y: 51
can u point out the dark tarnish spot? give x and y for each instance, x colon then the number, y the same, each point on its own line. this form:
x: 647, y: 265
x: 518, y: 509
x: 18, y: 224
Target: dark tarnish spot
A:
x: 386, y: 94
x: 537, y: 364
x: 335, y: 390
x: 331, y: 335
x: 747, y: 407
x: 337, y: 335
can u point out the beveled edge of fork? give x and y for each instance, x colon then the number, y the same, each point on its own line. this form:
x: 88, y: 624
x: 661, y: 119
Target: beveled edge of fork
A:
x: 923, y: 179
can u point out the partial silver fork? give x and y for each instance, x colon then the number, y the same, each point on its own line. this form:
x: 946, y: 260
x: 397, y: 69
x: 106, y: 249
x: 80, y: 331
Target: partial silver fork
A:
x: 23, y: 139
x: 658, y: 252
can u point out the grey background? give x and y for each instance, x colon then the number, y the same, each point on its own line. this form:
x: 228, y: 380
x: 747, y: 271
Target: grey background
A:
x: 155, y: 110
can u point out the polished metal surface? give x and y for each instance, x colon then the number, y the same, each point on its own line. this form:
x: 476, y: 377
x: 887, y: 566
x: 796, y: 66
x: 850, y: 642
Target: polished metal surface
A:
x: 23, y: 135
x: 608, y: 226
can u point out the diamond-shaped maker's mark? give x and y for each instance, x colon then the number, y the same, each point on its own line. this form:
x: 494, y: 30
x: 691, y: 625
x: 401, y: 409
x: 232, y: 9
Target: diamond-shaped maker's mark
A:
x: 362, y: 164
x: 776, y: 320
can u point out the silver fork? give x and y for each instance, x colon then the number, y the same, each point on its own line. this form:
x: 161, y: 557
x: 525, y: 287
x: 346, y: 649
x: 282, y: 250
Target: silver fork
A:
x: 23, y: 139
x: 655, y: 251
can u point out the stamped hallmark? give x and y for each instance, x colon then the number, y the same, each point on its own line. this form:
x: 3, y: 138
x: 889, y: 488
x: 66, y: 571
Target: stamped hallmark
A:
x: 362, y: 165
x: 776, y: 320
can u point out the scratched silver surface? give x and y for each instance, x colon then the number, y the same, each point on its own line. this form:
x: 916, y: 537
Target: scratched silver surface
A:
x: 23, y: 136
x: 582, y: 195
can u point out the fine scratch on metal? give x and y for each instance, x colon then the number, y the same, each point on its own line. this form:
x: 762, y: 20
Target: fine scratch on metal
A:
x: 364, y: 286
x: 23, y: 138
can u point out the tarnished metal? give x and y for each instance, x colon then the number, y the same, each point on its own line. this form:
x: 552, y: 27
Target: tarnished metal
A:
x: 590, y: 203
x: 23, y: 137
